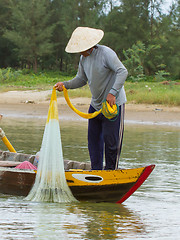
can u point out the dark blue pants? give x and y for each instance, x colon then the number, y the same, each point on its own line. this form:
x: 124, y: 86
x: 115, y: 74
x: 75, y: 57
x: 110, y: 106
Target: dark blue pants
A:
x: 107, y: 135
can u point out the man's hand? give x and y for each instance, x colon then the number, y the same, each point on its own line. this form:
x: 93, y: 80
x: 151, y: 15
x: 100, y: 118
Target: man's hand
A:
x: 111, y: 99
x: 59, y: 86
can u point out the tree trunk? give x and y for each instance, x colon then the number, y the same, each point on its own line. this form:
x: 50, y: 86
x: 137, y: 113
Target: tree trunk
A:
x: 35, y: 65
x: 61, y: 64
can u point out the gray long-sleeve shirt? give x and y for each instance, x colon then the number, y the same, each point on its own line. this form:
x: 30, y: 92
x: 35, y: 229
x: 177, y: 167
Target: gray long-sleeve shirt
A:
x: 104, y: 73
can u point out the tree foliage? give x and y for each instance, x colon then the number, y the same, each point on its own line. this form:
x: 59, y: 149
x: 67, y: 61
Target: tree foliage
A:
x: 30, y: 31
x: 35, y: 33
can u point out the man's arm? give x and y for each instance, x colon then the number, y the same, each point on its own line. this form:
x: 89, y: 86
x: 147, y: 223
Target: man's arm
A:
x: 79, y: 81
x: 113, y: 63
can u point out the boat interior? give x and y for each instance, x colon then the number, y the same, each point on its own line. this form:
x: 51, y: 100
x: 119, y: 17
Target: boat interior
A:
x: 10, y: 159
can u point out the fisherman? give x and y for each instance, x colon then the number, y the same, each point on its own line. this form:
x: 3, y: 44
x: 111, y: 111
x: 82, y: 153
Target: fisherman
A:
x: 105, y: 74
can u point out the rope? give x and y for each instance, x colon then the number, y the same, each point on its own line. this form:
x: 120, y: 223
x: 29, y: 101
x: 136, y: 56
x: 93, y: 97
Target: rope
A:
x: 108, y: 111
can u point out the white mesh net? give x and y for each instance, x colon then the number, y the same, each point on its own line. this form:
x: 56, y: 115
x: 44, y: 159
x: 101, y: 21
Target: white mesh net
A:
x: 50, y: 183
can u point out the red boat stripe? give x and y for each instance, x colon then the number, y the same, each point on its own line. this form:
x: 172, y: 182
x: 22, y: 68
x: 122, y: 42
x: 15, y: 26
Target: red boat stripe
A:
x: 139, y: 182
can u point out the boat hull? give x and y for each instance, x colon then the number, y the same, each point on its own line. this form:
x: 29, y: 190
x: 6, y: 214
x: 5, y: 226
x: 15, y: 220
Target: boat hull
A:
x: 86, y: 185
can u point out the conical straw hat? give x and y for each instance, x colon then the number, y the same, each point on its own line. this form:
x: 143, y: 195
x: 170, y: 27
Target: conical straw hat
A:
x: 83, y: 38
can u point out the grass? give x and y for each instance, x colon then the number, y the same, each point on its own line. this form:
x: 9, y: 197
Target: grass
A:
x: 24, y: 79
x: 137, y: 92
x: 153, y: 93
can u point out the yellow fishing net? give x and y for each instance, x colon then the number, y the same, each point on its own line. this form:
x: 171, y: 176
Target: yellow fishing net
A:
x: 50, y: 183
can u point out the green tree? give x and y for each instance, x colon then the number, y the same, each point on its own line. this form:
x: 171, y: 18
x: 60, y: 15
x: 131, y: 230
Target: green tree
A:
x: 139, y: 60
x: 127, y: 23
x: 78, y: 13
x: 167, y: 35
x: 29, y: 30
x: 6, y: 54
x: 172, y: 40
x: 59, y: 37
x: 155, y: 13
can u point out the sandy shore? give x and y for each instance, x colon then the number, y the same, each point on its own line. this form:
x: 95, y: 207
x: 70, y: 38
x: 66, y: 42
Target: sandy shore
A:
x: 34, y: 104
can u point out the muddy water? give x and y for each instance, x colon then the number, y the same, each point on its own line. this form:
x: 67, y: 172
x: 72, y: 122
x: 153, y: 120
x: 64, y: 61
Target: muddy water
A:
x: 151, y: 213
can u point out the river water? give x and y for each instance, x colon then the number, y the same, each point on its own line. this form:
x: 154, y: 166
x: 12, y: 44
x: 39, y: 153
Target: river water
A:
x: 152, y: 212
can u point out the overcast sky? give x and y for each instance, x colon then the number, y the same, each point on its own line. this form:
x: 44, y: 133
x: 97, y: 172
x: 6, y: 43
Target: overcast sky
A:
x: 167, y: 4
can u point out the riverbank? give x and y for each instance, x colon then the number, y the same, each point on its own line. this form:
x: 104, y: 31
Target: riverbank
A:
x: 34, y: 104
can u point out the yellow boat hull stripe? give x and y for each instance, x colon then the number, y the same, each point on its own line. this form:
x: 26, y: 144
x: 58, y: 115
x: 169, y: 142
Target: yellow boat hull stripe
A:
x: 79, y: 178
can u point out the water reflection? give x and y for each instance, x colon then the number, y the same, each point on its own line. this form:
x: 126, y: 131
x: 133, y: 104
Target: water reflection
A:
x: 141, y: 144
x: 108, y: 221
x: 26, y: 220
x: 150, y: 145
x: 151, y: 213
x: 26, y: 137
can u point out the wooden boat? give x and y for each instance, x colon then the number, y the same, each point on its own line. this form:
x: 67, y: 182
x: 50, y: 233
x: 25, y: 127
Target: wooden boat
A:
x: 85, y: 184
